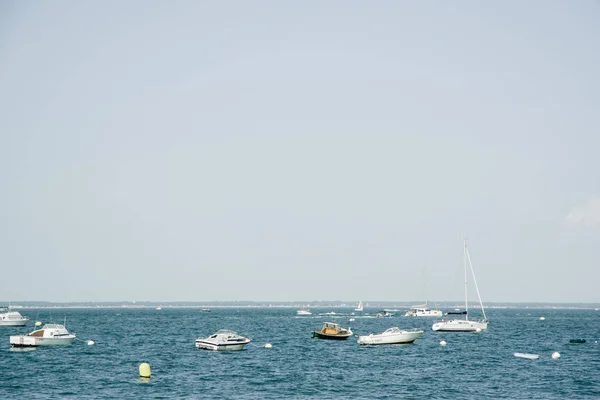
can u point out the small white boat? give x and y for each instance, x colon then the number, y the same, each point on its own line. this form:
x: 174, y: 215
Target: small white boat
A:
x: 385, y: 314
x: 223, y: 339
x: 393, y: 335
x: 526, y: 355
x: 48, y: 335
x: 12, y: 318
x: 422, y: 310
x: 303, y: 312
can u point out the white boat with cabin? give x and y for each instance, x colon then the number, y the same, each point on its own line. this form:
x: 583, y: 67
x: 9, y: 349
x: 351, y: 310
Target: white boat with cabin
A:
x: 422, y: 310
x: 458, y: 324
x: 303, y: 312
x: 223, y: 339
x: 48, y: 335
x: 12, y: 318
x: 393, y: 335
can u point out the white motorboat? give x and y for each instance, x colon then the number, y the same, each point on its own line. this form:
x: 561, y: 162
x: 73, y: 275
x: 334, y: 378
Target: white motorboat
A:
x: 422, y: 310
x: 223, y: 339
x: 48, y: 335
x: 393, y: 335
x: 359, y: 306
x: 464, y: 325
x: 12, y: 318
x: 385, y: 314
x: 303, y: 312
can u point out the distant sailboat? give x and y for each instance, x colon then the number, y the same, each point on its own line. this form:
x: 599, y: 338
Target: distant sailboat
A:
x: 359, y: 306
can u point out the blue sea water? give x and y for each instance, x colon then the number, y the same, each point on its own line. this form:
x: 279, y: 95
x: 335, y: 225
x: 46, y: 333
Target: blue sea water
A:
x: 471, y: 366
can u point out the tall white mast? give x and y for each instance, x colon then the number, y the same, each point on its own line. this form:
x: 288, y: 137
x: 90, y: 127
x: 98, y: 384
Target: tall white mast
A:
x: 466, y: 282
x: 476, y: 287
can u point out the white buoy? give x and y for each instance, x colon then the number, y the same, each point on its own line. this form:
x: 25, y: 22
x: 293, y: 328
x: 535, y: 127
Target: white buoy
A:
x: 442, y: 342
x: 90, y: 342
x: 352, y: 319
x: 38, y: 323
x: 556, y: 355
x: 478, y: 330
x: 268, y: 346
x: 542, y: 318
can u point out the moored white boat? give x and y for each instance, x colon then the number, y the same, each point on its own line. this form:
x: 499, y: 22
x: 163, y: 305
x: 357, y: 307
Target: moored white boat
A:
x: 422, y: 310
x: 393, y: 335
x: 48, y: 335
x: 303, y: 312
x: 459, y: 325
x: 463, y: 325
x: 333, y: 331
x: 13, y: 318
x: 223, y: 339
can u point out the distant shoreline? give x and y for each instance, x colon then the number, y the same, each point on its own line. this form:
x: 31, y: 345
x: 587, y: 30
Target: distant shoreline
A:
x: 375, y: 306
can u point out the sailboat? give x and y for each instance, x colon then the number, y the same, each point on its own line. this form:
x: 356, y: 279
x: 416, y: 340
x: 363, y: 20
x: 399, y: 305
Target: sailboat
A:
x: 359, y: 306
x: 458, y: 324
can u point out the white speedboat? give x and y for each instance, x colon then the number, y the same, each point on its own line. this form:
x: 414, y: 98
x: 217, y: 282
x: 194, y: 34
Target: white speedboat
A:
x: 223, y: 339
x: 303, y: 312
x: 421, y: 310
x: 463, y: 325
x: 13, y: 318
x: 393, y: 335
x: 48, y: 335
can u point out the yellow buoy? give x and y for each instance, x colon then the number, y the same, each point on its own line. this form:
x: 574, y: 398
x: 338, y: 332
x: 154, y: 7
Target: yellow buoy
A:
x: 145, y: 370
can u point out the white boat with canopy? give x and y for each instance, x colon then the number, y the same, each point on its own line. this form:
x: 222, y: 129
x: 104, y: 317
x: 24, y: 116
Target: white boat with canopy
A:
x: 12, y: 318
x: 455, y: 324
x: 393, y: 335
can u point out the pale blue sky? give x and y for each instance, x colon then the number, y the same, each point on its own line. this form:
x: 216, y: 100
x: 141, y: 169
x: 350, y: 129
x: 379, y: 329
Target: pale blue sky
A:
x: 320, y: 150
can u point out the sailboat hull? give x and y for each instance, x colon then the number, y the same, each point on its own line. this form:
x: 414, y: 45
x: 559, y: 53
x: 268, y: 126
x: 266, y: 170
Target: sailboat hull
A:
x: 459, y: 325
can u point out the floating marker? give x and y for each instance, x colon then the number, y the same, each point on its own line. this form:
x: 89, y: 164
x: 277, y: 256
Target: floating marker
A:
x: 442, y: 342
x: 478, y: 330
x: 38, y: 323
x: 268, y: 346
x: 90, y: 342
x: 352, y: 319
x: 525, y: 355
x: 542, y: 318
x: 556, y: 355
x: 145, y: 370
